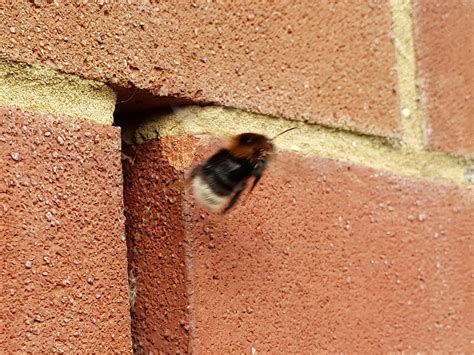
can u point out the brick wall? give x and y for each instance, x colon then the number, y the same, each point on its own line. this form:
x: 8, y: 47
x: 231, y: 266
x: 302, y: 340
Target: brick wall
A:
x: 357, y: 239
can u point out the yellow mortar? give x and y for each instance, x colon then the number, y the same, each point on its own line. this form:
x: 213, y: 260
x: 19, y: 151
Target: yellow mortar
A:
x: 44, y: 90
x: 412, y: 119
x: 307, y: 140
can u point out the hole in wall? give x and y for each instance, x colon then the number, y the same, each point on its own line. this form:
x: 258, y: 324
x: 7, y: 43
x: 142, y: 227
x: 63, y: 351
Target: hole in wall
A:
x: 135, y: 101
x: 134, y: 105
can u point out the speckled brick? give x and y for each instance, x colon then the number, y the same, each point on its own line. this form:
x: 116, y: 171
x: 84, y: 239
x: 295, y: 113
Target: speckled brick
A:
x: 323, y: 256
x: 445, y: 50
x: 64, y: 278
x: 156, y: 249
x: 325, y: 62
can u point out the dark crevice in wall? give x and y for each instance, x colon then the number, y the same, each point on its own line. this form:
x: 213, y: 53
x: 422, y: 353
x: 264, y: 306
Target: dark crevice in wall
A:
x: 134, y: 100
x: 134, y: 105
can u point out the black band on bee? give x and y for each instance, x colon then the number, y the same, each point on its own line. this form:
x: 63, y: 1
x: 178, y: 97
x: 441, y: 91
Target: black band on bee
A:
x: 222, y: 176
x: 219, y: 182
x: 224, y: 171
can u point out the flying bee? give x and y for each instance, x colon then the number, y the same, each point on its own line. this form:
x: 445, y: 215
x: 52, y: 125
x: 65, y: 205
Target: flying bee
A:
x: 219, y: 182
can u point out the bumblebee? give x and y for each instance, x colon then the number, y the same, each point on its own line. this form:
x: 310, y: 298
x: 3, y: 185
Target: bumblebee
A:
x: 218, y: 183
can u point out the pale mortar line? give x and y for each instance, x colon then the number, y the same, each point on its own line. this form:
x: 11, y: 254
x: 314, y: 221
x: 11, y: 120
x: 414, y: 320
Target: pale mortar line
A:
x: 44, y: 90
x: 307, y: 140
x: 412, y: 117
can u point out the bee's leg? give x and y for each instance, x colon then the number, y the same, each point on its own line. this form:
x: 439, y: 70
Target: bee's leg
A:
x: 258, y: 172
x: 234, y: 198
x: 255, y: 181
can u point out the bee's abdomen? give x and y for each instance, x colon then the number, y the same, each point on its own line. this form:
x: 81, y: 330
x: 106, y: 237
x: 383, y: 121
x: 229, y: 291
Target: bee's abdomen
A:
x: 206, y: 196
x: 219, y: 178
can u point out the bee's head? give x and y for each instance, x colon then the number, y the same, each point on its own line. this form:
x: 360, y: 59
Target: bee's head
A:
x: 252, y: 146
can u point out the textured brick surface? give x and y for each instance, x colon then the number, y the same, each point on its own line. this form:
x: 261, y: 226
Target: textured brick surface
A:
x: 445, y: 49
x: 64, y: 281
x: 331, y: 62
x: 155, y: 238
x: 322, y: 256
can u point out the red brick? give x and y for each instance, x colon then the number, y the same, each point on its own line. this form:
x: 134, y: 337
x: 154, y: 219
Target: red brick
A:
x: 331, y: 63
x: 445, y: 51
x: 64, y: 279
x: 323, y: 256
x: 155, y: 236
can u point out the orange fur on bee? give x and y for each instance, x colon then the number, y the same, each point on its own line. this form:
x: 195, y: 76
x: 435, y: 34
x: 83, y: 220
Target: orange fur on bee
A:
x: 252, y: 151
